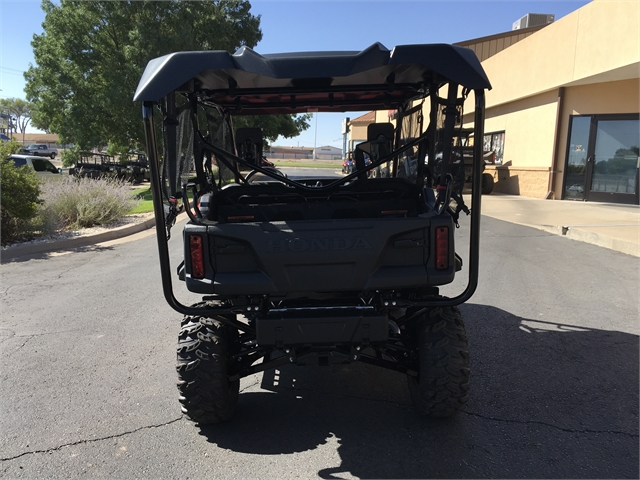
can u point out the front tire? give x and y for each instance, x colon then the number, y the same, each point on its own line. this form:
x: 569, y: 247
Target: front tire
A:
x: 442, y: 385
x: 206, y: 394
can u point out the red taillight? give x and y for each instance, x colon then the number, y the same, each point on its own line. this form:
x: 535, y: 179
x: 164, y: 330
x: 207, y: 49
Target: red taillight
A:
x: 197, y: 256
x: 442, y: 248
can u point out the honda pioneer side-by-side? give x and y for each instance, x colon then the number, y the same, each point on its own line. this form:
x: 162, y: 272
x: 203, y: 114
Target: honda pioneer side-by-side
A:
x: 321, y: 270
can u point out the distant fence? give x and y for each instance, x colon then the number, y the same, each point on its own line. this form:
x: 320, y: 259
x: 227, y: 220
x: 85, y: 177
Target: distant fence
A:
x: 297, y: 156
x: 302, y: 156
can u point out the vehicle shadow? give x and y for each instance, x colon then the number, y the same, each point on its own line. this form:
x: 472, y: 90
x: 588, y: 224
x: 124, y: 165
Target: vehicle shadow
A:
x: 547, y: 401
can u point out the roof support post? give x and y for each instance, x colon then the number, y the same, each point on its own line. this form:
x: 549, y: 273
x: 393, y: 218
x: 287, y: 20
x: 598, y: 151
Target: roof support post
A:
x: 161, y: 233
x: 476, y: 197
x: 170, y: 125
x: 451, y: 113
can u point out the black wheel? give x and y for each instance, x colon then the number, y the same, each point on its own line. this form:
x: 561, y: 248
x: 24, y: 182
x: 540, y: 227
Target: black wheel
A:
x: 206, y: 394
x: 487, y: 183
x: 53, y: 155
x: 442, y: 384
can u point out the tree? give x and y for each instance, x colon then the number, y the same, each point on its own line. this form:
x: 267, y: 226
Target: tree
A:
x: 91, y: 55
x: 275, y: 125
x: 20, y: 112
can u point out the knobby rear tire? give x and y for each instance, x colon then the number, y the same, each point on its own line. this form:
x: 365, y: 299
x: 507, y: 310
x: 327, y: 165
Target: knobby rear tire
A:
x: 442, y: 385
x: 206, y: 394
x: 487, y: 183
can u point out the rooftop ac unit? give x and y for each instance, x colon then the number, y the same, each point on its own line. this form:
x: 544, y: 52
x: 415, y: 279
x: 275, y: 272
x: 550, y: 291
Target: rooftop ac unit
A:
x: 533, y: 20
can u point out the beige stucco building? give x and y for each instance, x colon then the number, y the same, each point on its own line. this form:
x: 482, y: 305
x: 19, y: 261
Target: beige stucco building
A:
x: 566, y: 100
x: 50, y: 139
x: 358, y: 129
x: 563, y: 113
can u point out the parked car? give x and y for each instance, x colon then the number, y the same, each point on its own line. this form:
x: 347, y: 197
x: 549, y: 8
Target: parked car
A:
x: 40, y: 149
x: 42, y: 166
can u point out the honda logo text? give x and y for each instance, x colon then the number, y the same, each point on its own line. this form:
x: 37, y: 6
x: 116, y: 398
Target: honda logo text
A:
x: 318, y: 244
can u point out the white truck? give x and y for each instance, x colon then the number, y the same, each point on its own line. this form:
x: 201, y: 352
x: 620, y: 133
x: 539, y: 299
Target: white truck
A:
x: 41, y: 150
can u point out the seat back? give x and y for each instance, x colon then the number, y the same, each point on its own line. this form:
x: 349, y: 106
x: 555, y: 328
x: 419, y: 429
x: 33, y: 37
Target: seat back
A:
x: 249, y: 144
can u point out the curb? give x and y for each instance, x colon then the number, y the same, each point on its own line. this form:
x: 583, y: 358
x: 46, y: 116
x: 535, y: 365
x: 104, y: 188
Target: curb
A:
x: 619, y: 245
x: 82, y: 241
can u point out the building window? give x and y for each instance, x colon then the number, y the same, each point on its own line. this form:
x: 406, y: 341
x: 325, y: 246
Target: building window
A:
x: 494, y: 142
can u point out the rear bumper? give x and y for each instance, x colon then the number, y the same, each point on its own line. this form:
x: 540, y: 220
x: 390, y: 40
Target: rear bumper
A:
x: 340, y: 326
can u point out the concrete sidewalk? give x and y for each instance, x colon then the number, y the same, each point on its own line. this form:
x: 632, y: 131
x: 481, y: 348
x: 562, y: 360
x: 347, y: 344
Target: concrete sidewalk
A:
x: 607, y: 225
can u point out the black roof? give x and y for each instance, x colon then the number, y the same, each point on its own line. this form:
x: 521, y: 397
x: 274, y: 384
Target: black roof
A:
x: 375, y: 78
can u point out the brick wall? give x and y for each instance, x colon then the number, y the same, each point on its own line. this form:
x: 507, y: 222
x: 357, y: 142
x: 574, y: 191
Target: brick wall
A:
x: 526, y: 181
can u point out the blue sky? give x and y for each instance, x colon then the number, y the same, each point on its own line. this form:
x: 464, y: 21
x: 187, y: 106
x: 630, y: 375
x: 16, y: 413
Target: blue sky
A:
x: 306, y: 25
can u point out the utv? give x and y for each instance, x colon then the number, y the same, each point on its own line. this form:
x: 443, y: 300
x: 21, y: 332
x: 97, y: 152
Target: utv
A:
x: 315, y: 271
x: 93, y: 165
x: 463, y: 150
x: 135, y: 168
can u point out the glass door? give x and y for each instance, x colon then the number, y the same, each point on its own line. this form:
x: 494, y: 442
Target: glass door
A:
x: 613, y: 165
x: 603, y: 158
x: 576, y: 167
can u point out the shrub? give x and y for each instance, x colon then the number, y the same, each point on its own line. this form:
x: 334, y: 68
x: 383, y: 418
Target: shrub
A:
x: 83, y: 202
x: 118, y: 151
x: 19, y: 193
x: 9, y: 148
x: 70, y: 156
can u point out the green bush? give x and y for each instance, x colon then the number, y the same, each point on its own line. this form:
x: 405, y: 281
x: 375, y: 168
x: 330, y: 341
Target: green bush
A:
x: 84, y: 202
x: 19, y: 197
x: 70, y: 156
x: 118, y: 151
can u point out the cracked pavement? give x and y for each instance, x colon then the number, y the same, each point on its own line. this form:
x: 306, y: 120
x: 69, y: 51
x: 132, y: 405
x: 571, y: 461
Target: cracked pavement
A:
x: 83, y: 442
x: 87, y: 384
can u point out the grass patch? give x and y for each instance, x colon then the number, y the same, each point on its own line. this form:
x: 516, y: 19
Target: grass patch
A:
x: 146, y: 202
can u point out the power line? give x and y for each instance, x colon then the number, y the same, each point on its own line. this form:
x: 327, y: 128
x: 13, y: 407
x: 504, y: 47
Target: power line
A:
x: 12, y: 69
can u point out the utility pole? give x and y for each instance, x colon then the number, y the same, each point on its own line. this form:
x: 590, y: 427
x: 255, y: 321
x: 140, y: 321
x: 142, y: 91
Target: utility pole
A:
x: 315, y: 137
x: 345, y: 133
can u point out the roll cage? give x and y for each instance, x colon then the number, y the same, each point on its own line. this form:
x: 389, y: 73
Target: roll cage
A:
x: 207, y: 90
